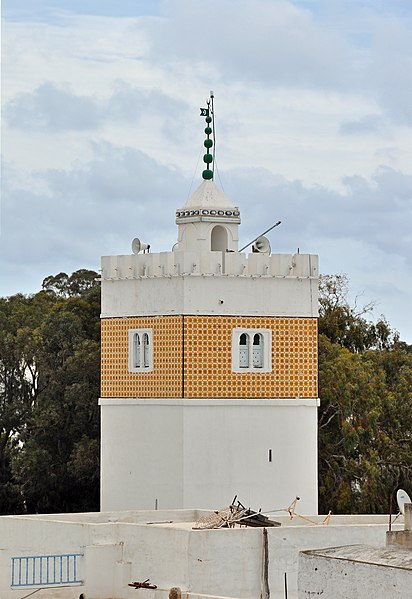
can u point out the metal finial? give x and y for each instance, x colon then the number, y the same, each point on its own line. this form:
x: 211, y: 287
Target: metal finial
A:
x: 208, y: 143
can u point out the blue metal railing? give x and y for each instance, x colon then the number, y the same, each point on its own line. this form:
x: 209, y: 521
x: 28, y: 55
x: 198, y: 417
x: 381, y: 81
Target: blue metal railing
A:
x: 45, y: 570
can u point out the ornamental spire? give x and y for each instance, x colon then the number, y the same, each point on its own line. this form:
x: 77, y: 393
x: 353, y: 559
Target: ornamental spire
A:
x: 208, y: 158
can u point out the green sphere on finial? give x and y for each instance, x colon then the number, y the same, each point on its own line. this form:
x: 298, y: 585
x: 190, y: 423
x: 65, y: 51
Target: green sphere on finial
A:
x: 208, y: 158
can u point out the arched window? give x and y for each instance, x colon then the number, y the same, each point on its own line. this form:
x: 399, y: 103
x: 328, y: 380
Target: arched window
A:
x: 140, y: 350
x: 257, y: 351
x: 218, y: 239
x: 136, y: 350
x: 146, y: 350
x: 244, y: 351
x: 251, y: 350
x: 218, y: 242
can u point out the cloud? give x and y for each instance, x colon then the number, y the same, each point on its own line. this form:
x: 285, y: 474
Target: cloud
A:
x: 275, y: 43
x: 54, y: 108
x: 99, y: 206
x: 368, y: 124
x: 365, y: 50
x: 43, y: 8
x: 101, y: 130
x: 389, y: 73
x: 94, y: 208
x: 377, y: 214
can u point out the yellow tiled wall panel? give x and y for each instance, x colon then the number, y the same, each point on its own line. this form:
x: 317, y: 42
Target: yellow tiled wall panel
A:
x: 165, y: 380
x: 208, y: 358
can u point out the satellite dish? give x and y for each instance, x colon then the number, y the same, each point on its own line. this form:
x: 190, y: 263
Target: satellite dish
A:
x: 261, y: 245
x: 139, y: 246
x: 402, y: 497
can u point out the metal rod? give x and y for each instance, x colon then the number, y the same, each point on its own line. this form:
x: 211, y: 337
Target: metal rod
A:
x: 212, y: 95
x: 264, y: 233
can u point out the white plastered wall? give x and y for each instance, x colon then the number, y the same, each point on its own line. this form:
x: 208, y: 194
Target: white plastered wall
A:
x: 200, y: 453
x: 198, y: 294
x: 331, y: 575
x: 121, y: 547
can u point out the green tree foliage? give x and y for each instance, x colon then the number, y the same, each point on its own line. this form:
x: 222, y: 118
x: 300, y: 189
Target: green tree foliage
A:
x: 365, y: 418
x: 77, y: 284
x: 49, y: 386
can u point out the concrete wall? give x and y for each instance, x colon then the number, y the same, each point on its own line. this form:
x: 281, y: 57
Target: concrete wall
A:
x: 355, y: 571
x: 402, y: 538
x: 200, y: 453
x: 122, y: 547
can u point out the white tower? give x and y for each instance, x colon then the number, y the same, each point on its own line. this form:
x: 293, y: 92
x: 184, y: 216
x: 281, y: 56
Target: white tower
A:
x: 209, y: 368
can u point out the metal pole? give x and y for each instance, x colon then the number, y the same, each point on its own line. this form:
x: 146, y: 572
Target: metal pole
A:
x: 264, y: 233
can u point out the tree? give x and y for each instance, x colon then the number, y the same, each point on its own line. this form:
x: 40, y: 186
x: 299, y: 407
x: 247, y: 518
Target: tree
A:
x: 365, y: 417
x: 352, y: 393
x: 49, y: 385
x: 347, y: 325
x: 77, y: 284
x: 20, y: 318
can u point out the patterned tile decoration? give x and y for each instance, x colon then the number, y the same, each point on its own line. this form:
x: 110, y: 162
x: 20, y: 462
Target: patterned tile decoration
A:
x: 165, y: 380
x: 208, y: 358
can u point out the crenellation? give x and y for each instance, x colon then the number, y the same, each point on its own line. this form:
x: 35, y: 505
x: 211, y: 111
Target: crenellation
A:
x: 205, y: 262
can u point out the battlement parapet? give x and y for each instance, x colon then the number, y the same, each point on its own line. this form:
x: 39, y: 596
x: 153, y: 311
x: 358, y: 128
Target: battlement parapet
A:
x: 179, y: 263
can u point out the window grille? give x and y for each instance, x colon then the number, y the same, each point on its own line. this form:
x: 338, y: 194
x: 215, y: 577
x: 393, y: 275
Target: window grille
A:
x: 251, y: 350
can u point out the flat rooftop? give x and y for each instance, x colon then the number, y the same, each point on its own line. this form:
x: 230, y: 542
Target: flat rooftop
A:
x: 389, y: 557
x: 186, y: 519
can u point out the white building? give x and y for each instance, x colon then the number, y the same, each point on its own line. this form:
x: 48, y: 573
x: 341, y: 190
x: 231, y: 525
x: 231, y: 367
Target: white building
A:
x: 209, y: 389
x: 361, y: 570
x: 209, y: 369
x: 112, y: 549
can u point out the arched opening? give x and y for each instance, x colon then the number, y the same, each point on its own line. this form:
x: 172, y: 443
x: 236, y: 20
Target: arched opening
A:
x: 218, y: 242
x: 136, y: 350
x: 146, y: 350
x: 244, y: 351
x: 257, y: 351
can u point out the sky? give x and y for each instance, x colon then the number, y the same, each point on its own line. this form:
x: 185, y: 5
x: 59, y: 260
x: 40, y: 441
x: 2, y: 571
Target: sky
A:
x: 101, y: 133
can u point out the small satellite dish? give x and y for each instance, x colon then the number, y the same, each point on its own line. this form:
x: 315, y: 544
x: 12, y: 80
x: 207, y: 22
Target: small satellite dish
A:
x: 261, y: 245
x: 402, y: 497
x: 139, y: 246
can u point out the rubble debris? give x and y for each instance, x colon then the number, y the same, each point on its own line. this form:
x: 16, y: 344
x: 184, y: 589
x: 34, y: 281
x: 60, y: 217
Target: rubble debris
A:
x: 235, y: 513
x: 143, y: 585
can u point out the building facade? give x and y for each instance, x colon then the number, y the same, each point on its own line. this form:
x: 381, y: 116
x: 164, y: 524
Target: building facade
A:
x: 209, y: 369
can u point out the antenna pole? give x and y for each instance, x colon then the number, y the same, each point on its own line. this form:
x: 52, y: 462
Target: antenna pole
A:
x: 264, y: 233
x: 212, y: 95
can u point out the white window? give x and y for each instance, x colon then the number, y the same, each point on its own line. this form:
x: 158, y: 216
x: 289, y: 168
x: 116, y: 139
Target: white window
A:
x: 140, y: 350
x: 252, y: 350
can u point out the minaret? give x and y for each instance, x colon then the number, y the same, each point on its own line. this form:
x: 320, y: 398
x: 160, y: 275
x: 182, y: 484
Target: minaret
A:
x: 209, y: 367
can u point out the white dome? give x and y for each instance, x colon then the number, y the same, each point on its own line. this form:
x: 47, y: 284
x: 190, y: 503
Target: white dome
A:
x: 208, y: 196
